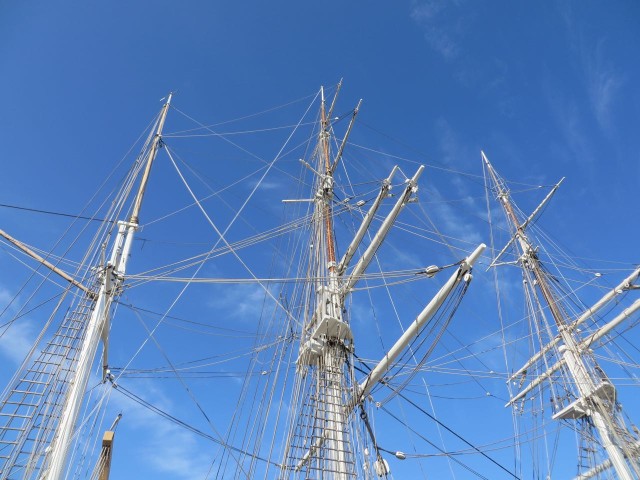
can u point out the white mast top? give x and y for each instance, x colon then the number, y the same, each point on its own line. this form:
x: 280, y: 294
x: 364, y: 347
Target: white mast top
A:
x: 112, y: 276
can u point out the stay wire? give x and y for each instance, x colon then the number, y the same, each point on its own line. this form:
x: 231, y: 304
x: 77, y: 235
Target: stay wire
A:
x: 222, y: 235
x: 457, y: 435
x: 439, y: 325
x: 206, y: 127
x: 182, y: 381
x: 448, y: 455
x: 139, y: 400
x: 399, y: 394
x: 59, y: 214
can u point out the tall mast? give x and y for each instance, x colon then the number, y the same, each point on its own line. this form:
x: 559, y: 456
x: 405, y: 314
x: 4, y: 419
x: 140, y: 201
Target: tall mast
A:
x: 321, y: 443
x: 155, y: 146
x: 596, y: 396
x: 339, y: 447
x: 98, y: 323
x: 327, y: 341
x: 328, y: 186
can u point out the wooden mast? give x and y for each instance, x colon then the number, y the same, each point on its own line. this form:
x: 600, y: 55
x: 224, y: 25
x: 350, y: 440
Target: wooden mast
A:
x: 103, y: 465
x: 327, y: 210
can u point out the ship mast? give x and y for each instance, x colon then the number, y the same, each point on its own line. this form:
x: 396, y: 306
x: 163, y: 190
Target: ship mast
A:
x: 98, y: 325
x: 320, y: 443
x: 39, y: 413
x: 596, y: 396
x: 336, y: 333
x: 102, y: 469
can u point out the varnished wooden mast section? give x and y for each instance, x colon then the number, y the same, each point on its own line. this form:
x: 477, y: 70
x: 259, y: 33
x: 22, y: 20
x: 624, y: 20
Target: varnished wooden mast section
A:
x: 103, y: 467
x: 152, y: 155
x: 46, y: 263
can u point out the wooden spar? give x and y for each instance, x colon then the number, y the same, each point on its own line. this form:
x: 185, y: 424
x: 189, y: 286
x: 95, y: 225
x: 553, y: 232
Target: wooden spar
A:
x: 46, y: 263
x: 328, y: 220
x: 152, y: 155
x: 103, y: 466
x: 380, y: 235
x: 583, y: 345
x: 335, y: 97
x: 414, y: 329
x: 346, y: 136
x: 623, y: 286
x: 526, y: 223
x: 134, y: 215
x: 366, y: 221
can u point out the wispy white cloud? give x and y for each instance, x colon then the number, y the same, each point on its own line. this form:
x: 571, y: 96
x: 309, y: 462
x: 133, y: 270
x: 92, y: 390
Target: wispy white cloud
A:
x: 453, y: 226
x: 5, y: 297
x: 403, y: 258
x: 179, y: 457
x: 16, y: 341
x: 602, y: 80
x: 603, y: 84
x: 17, y: 338
x: 453, y: 150
x: 444, y: 213
x: 443, y: 37
x: 569, y: 123
x: 450, y: 29
x: 449, y: 145
x: 166, y: 447
x: 266, y: 185
x: 240, y: 301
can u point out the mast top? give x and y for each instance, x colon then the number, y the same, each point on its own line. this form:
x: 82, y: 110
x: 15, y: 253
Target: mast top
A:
x: 155, y: 146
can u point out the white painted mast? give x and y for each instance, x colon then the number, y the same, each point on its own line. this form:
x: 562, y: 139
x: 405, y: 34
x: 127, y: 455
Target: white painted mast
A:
x: 327, y: 340
x: 332, y: 393
x: 98, y: 323
x: 596, y: 396
x: 462, y: 274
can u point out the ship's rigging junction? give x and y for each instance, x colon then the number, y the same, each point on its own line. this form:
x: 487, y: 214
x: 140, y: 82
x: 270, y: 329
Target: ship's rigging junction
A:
x: 580, y: 391
x: 315, y: 385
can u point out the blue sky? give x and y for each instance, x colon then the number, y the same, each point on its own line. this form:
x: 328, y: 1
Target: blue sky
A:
x: 546, y: 90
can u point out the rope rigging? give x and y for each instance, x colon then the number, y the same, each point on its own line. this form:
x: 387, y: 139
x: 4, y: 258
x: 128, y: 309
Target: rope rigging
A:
x: 289, y: 296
